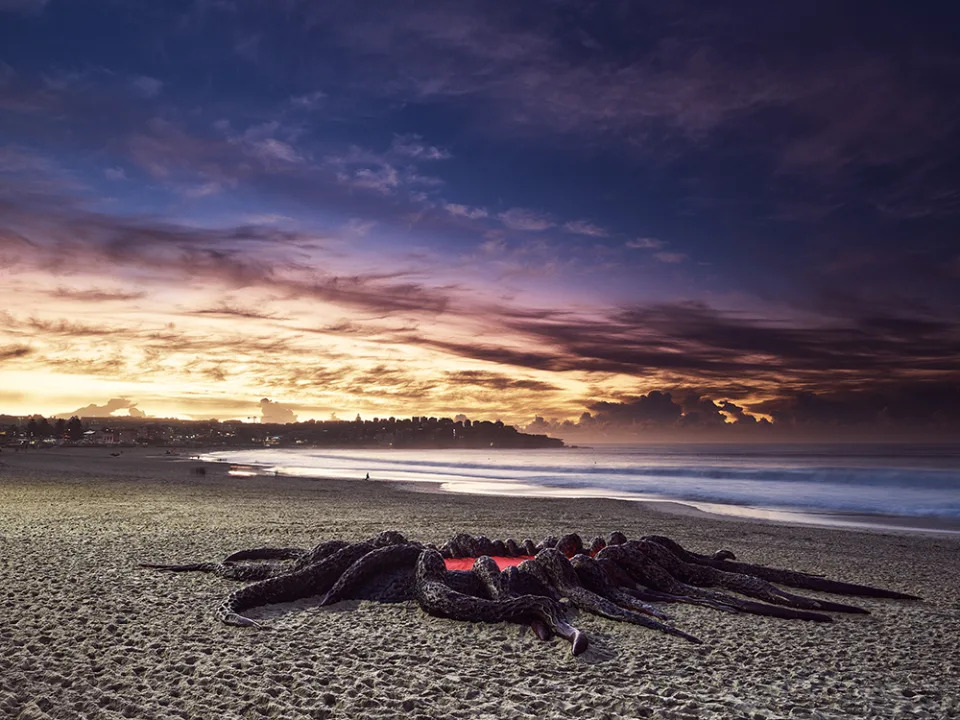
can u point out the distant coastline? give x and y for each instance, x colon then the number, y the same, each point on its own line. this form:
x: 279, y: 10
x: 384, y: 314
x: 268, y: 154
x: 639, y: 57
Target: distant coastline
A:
x: 409, y: 433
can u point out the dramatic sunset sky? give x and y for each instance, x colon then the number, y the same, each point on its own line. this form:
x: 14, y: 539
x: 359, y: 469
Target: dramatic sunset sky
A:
x: 685, y: 219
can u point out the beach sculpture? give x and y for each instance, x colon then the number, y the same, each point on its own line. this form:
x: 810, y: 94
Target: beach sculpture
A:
x: 483, y: 580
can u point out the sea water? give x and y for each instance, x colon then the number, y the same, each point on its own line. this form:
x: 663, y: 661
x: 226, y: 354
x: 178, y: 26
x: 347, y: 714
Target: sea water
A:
x: 835, y: 484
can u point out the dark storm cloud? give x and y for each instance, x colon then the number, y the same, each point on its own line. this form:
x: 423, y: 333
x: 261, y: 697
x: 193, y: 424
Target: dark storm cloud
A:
x: 655, y: 408
x: 701, y: 412
x: 658, y: 410
x: 916, y: 405
x: 736, y: 412
x: 657, y: 414
x: 703, y: 342
x: 710, y: 337
x: 920, y: 410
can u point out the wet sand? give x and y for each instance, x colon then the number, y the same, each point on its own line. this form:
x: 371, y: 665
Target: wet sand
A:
x: 87, y: 634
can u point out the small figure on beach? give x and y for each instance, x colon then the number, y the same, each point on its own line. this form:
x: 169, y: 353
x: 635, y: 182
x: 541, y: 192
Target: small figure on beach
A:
x: 482, y: 580
x: 368, y: 476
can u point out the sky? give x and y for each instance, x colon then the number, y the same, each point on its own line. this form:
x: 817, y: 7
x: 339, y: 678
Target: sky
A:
x: 619, y: 220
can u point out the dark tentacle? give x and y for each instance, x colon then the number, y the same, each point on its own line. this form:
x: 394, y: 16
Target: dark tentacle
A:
x: 628, y: 584
x: 524, y: 583
x: 319, y: 552
x: 648, y: 595
x: 494, y: 584
x: 230, y: 570
x: 227, y: 571
x: 390, y: 586
x: 438, y: 598
x: 464, y: 582
x: 391, y: 558
x: 497, y: 586
x: 305, y: 582
x: 309, y: 581
x: 804, y: 581
x: 706, y: 576
x: 188, y: 567
x: 551, y: 566
x: 654, y: 576
x: 266, y: 553
x: 593, y: 577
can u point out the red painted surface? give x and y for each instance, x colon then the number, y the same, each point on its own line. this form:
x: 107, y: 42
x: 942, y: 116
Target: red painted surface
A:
x: 467, y: 563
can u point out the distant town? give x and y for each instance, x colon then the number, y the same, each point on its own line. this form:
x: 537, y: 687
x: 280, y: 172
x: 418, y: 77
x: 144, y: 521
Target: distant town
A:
x: 416, y: 432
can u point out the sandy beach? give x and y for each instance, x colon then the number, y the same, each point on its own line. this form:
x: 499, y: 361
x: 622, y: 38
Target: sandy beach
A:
x: 87, y: 634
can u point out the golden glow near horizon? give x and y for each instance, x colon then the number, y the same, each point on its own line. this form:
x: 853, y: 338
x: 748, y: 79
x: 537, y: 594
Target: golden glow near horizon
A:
x: 182, y: 328
x: 208, y: 350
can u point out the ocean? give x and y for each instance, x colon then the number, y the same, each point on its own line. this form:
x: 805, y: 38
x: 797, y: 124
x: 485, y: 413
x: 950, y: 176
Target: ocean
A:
x: 837, y: 484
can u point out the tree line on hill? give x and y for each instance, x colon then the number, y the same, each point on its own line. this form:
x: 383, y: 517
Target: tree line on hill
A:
x: 415, y: 432
x: 39, y: 428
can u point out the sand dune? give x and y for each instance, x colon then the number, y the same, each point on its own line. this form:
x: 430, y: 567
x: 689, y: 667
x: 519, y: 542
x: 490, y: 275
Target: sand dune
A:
x: 86, y: 634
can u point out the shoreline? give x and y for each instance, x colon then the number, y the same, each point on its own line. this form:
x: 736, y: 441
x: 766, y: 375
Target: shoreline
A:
x: 814, y: 518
